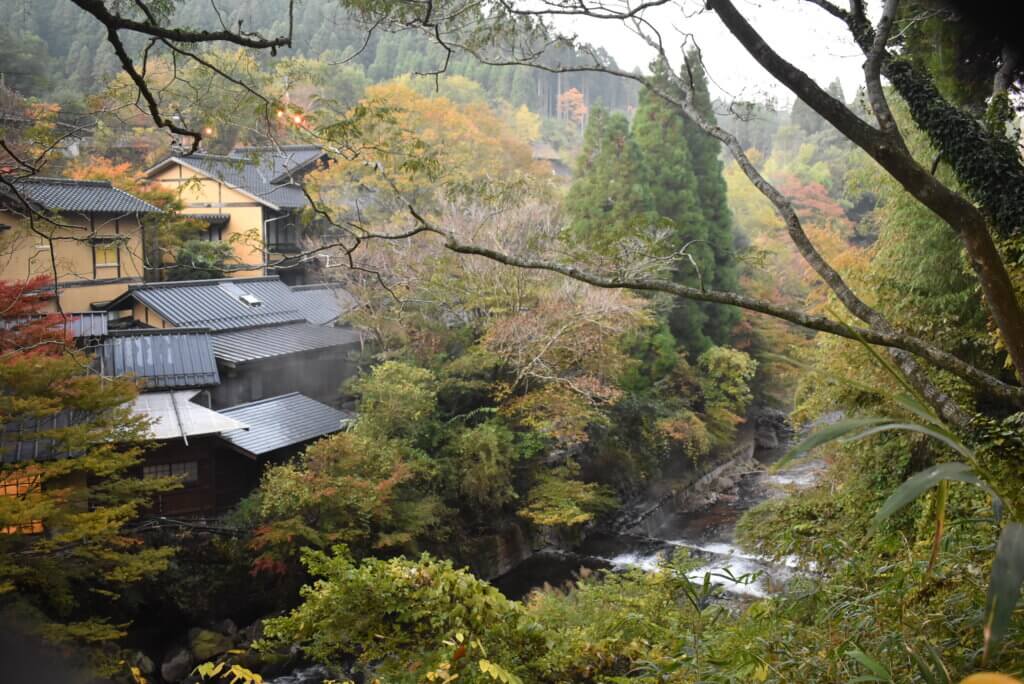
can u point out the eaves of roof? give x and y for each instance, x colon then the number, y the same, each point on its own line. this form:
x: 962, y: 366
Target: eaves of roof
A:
x: 282, y: 421
x: 161, y: 165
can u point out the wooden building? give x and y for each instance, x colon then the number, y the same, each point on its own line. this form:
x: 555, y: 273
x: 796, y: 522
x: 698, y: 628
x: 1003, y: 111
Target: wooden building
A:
x: 175, y: 370
x: 86, y: 235
x: 251, y: 196
x: 268, y: 338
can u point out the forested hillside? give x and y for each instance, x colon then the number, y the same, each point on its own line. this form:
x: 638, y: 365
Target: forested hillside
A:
x: 49, y: 49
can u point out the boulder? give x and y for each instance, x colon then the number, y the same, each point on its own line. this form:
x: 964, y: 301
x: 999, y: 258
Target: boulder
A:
x: 177, y: 665
x: 227, y: 626
x: 143, y: 662
x: 206, y: 644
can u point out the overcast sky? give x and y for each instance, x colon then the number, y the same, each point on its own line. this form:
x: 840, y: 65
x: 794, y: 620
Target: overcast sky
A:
x: 804, y: 34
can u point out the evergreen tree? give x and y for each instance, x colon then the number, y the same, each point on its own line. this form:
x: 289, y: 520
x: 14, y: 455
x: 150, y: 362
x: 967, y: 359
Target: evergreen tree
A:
x: 68, y: 488
x: 609, y: 198
x: 659, y: 133
x: 707, y: 166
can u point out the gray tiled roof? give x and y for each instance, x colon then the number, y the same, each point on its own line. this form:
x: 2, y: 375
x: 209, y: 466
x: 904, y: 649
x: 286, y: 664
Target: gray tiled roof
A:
x: 322, y: 304
x: 216, y: 304
x: 163, y: 359
x: 256, y: 179
x: 283, y: 421
x: 85, y: 197
x: 281, y: 162
x: 252, y: 344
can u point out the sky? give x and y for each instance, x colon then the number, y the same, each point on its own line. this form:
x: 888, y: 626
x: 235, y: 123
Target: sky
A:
x: 802, y: 33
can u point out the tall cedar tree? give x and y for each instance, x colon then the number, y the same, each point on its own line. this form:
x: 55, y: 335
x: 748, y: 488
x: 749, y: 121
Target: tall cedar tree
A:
x: 659, y: 133
x: 707, y: 166
x: 609, y: 198
x: 69, y: 491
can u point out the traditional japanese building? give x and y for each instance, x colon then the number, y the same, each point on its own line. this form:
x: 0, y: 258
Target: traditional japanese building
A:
x: 252, y: 196
x: 86, y: 235
x: 268, y: 339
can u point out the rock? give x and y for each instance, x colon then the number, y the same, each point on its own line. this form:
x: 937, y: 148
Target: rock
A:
x: 205, y: 644
x: 143, y: 662
x: 253, y: 632
x: 766, y: 438
x: 227, y: 626
x: 177, y: 665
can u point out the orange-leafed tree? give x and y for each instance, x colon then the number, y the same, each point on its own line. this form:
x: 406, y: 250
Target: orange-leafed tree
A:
x: 572, y: 106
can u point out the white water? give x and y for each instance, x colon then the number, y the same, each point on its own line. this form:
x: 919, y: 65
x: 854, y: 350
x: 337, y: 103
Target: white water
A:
x: 735, y: 570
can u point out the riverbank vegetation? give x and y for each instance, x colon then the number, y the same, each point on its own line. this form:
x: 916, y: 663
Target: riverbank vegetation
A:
x: 550, y: 352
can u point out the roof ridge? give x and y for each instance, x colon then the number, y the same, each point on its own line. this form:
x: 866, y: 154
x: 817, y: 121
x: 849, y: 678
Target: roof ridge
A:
x: 266, y: 400
x: 301, y: 320
x: 65, y: 181
x: 129, y: 332
x: 203, y: 281
x: 297, y: 146
x: 205, y: 155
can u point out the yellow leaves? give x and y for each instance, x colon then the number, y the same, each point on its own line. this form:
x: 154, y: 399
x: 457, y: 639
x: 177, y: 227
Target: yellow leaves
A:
x: 990, y: 678
x: 234, y: 674
x: 428, y: 141
x: 498, y: 673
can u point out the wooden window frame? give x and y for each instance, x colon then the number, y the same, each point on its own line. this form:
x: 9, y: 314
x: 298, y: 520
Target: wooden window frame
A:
x: 19, y: 485
x: 187, y: 471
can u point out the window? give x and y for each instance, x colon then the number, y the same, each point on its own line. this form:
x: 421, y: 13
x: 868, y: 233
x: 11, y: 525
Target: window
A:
x: 187, y: 471
x: 283, y: 235
x: 20, y: 486
x: 106, y: 253
x: 213, y: 233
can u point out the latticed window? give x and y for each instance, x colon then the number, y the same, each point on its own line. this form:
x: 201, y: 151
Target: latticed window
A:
x: 21, y: 485
x: 106, y: 253
x: 186, y: 471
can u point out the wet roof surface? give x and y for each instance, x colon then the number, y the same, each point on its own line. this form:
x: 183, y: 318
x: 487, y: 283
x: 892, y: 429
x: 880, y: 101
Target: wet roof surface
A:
x: 175, y: 416
x: 322, y: 304
x: 218, y: 305
x: 251, y: 344
x: 283, y: 421
x: 162, y: 359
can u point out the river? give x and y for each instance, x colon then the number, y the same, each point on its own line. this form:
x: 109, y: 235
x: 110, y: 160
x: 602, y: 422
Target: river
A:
x: 708, y: 532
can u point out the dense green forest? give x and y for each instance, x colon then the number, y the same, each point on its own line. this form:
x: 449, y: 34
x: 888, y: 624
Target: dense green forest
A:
x: 721, y: 298
x: 49, y: 50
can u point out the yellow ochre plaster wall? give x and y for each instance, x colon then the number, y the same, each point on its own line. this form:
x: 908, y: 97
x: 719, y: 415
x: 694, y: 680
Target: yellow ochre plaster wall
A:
x: 203, y: 195
x: 62, y: 249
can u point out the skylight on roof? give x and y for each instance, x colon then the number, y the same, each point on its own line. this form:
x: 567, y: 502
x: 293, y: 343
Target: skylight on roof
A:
x: 241, y: 295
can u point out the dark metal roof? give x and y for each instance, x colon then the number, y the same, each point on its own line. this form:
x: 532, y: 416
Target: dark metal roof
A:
x: 283, y: 421
x: 88, y: 323
x: 22, y: 440
x: 209, y: 218
x: 256, y: 179
x: 252, y: 344
x: 85, y: 197
x: 163, y: 359
x: 322, y: 304
x: 217, y: 304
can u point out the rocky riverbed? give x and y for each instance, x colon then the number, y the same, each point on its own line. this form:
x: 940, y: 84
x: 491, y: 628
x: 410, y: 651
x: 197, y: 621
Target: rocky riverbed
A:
x: 700, y: 519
